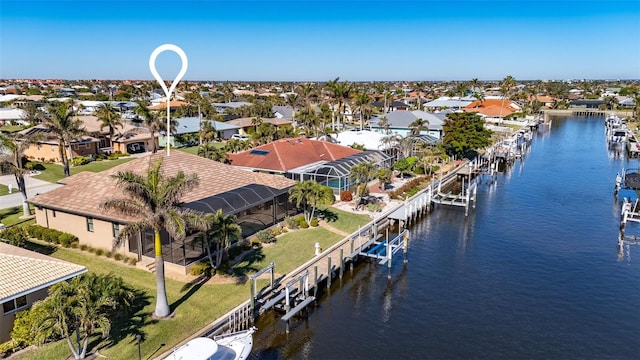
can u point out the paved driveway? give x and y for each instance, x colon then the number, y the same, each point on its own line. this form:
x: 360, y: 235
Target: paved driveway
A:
x: 34, y: 187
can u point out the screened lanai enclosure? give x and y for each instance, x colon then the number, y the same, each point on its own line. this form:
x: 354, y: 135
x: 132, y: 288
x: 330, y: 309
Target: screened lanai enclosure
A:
x: 256, y: 207
x: 335, y: 174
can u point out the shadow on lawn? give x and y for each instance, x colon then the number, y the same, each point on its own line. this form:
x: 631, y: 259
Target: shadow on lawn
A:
x: 327, y: 215
x: 40, y: 248
x: 248, y: 264
x: 192, y: 286
x: 129, y: 321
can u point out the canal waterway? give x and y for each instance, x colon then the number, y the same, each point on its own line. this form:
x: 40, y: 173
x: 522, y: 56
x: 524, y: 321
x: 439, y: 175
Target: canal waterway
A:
x: 533, y: 272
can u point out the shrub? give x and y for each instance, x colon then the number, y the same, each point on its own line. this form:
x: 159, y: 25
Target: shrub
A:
x: 201, y: 268
x: 304, y: 224
x: 291, y: 223
x: 15, y: 235
x: 265, y: 236
x: 108, y: 254
x: 374, y: 207
x: 80, y: 160
x: 346, y: 195
x: 84, y: 247
x: 133, y: 261
x: 314, y: 222
x: 26, y: 320
x: 74, y: 245
x: 117, y: 256
x: 67, y: 239
x: 99, y: 252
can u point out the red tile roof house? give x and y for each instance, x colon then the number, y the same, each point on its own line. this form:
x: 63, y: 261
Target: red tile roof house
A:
x: 25, y: 277
x: 493, y: 108
x: 259, y: 200
x: 303, y: 159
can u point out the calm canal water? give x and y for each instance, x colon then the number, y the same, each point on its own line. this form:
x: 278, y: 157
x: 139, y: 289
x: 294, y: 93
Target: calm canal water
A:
x: 533, y: 272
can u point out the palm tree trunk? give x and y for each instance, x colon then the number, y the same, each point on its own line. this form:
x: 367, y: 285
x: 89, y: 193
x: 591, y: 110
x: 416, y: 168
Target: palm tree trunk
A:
x: 23, y: 190
x: 63, y: 158
x: 162, y: 305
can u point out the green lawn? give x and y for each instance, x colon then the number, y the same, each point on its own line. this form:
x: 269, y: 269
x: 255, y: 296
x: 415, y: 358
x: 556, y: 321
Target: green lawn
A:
x: 194, y: 149
x: 4, y: 190
x: 54, y: 172
x: 195, y: 306
x: 11, y: 216
x: 345, y: 221
x: 290, y: 251
x: 11, y: 128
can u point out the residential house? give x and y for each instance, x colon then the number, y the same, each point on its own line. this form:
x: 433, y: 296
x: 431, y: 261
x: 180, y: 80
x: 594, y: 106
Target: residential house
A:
x: 496, y: 109
x: 303, y: 159
x: 248, y: 123
x: 446, y: 102
x: 587, y: 103
x: 393, y: 106
x: 25, y: 277
x: 258, y: 200
x: 400, y: 121
x: 11, y: 115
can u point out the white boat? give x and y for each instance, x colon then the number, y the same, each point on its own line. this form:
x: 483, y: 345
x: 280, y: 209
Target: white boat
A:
x: 234, y: 346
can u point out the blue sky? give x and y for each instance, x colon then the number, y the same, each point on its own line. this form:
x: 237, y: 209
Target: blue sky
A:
x: 320, y: 40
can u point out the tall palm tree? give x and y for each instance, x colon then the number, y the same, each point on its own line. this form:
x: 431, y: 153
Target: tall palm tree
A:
x: 12, y: 158
x: 416, y: 127
x: 64, y: 127
x: 109, y: 119
x: 361, y: 104
x: 505, y: 88
x: 294, y: 101
x: 155, y: 199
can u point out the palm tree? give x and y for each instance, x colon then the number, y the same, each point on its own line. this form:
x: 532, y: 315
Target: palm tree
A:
x: 110, y: 119
x: 213, y: 152
x: 85, y: 305
x: 293, y: 100
x: 416, y: 127
x: 13, y: 159
x: 309, y: 194
x: 384, y: 124
x: 64, y: 127
x: 223, y: 231
x: 155, y: 200
x: 480, y: 97
x: 505, y: 88
x: 361, y: 174
x: 361, y: 103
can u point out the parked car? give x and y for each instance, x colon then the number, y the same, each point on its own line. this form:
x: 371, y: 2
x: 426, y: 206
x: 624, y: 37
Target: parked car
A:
x: 240, y: 137
x: 135, y: 148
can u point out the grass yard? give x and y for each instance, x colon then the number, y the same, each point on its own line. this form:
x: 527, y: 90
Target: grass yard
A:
x: 194, y: 149
x: 4, y: 190
x: 54, y: 172
x: 290, y: 251
x: 195, y: 306
x: 11, y: 216
x: 344, y: 220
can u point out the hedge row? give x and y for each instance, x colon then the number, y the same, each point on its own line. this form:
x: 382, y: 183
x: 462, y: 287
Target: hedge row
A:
x: 410, y: 188
x: 51, y: 235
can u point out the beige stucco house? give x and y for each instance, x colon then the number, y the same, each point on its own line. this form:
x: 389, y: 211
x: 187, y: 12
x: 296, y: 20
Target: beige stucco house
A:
x: 25, y: 277
x: 258, y: 200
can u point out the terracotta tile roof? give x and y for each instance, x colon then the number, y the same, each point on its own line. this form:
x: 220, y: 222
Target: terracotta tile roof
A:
x: 163, y: 105
x: 23, y: 271
x: 247, y: 122
x: 491, y: 111
x: 286, y: 154
x: 83, y: 192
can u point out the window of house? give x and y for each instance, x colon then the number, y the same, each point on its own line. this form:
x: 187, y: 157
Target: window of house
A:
x: 38, y: 146
x: 15, y: 304
x: 53, y: 212
x: 90, y: 224
x: 116, y: 229
x: 87, y: 145
x: 75, y: 147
